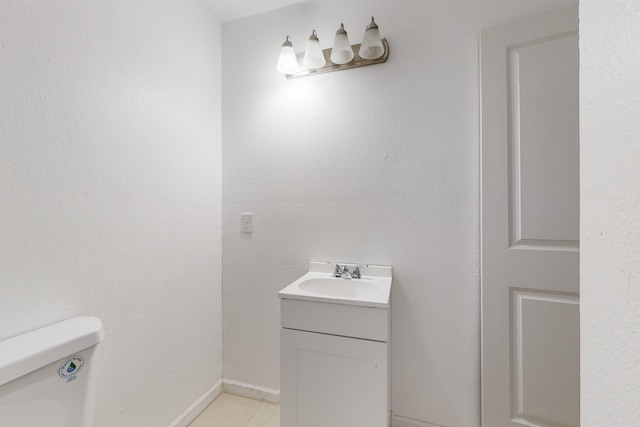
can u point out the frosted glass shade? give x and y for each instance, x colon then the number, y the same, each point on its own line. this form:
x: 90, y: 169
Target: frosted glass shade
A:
x: 371, y: 47
x: 313, y: 56
x: 287, y: 62
x: 342, y: 52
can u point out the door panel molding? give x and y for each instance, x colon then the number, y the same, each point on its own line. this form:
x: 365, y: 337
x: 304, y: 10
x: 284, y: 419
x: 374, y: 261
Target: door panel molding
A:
x: 561, y: 336
x: 530, y: 229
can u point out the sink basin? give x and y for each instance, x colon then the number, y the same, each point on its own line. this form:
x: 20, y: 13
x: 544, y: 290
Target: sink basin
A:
x: 372, y: 289
x: 341, y: 288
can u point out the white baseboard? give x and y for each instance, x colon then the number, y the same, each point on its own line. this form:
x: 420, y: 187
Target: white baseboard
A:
x: 192, y: 412
x: 398, y: 421
x: 263, y: 394
x: 251, y: 391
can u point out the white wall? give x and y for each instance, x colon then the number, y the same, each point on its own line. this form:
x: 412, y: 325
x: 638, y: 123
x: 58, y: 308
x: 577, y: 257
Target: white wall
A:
x: 110, y: 191
x: 610, y: 212
x: 375, y: 165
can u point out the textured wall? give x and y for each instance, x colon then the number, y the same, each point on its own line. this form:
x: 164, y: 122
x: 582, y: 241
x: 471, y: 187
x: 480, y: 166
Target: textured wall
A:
x: 610, y: 212
x: 110, y: 191
x: 374, y: 165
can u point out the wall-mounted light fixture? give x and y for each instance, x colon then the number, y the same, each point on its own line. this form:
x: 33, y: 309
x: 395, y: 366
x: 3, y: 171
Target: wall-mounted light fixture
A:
x: 342, y: 56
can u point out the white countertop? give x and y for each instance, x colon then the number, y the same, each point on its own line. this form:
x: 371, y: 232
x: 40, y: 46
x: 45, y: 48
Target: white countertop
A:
x: 373, y: 289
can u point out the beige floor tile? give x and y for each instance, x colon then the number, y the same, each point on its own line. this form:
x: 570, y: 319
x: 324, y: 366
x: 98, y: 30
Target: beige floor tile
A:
x: 227, y: 411
x: 267, y: 415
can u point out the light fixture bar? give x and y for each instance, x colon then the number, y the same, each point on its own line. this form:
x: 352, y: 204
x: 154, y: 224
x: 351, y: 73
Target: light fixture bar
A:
x: 331, y: 67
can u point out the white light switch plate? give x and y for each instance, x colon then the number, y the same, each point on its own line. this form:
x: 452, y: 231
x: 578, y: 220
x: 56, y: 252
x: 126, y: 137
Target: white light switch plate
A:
x: 246, y: 222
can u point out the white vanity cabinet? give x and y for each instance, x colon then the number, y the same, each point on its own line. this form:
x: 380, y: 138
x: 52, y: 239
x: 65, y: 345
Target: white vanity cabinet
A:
x: 334, y: 362
x: 332, y: 381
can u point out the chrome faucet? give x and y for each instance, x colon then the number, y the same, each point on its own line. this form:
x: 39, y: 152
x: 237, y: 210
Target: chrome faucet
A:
x: 345, y: 273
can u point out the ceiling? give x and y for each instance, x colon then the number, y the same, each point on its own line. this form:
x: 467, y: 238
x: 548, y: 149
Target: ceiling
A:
x: 228, y: 10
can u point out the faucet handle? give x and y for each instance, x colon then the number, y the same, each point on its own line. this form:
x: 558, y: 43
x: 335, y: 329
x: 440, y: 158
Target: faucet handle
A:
x: 356, y: 273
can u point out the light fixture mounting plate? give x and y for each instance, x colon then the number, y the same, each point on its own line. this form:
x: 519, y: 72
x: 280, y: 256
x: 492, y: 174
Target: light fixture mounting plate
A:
x: 331, y: 67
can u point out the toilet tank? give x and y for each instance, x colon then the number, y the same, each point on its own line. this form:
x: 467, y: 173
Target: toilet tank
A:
x: 46, y: 376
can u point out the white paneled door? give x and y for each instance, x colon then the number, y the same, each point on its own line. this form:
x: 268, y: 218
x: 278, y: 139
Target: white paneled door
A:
x: 530, y: 223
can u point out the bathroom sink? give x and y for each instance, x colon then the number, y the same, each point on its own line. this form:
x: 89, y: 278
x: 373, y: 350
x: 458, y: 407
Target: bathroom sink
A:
x: 335, y: 335
x: 372, y: 289
x: 341, y: 288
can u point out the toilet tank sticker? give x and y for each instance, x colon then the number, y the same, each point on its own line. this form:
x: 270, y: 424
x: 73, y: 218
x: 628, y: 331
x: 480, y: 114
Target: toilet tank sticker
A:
x: 70, y: 367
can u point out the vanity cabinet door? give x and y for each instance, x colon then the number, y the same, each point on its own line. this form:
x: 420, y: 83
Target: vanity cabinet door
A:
x: 333, y: 381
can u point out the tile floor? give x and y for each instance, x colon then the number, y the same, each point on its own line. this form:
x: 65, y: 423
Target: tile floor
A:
x: 229, y: 410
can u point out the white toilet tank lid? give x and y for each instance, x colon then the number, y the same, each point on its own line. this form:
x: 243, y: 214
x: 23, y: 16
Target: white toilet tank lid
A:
x: 30, y: 351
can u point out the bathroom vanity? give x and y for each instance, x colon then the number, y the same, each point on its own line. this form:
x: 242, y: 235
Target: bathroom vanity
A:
x: 335, y: 347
